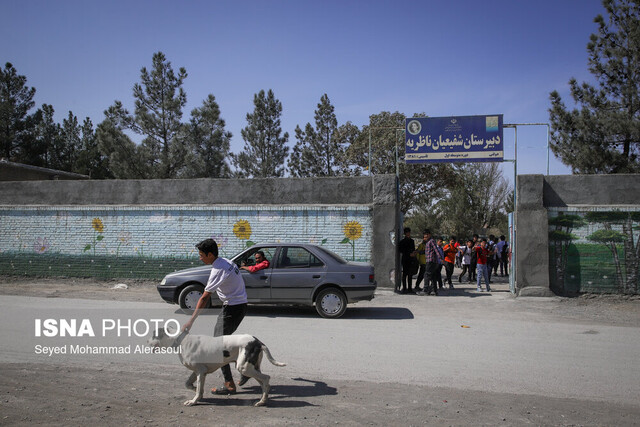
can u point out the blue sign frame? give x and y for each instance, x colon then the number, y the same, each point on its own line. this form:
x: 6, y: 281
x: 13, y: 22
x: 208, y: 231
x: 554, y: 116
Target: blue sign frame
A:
x: 454, y: 139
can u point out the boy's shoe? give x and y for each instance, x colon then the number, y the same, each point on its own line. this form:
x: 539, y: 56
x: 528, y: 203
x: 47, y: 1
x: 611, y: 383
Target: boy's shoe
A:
x: 228, y: 388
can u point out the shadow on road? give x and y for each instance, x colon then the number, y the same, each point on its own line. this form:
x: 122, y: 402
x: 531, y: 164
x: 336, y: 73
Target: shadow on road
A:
x: 381, y: 313
x: 353, y: 312
x: 280, y: 395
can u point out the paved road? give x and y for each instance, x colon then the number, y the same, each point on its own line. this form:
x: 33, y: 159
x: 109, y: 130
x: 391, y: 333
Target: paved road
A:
x: 522, y: 346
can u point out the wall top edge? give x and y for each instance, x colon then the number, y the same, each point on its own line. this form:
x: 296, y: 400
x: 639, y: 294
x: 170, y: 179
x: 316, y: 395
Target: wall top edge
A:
x: 607, y: 208
x: 191, y: 206
x: 611, y: 176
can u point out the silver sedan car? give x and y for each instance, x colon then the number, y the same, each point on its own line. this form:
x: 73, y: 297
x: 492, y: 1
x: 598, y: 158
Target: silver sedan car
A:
x: 298, y: 274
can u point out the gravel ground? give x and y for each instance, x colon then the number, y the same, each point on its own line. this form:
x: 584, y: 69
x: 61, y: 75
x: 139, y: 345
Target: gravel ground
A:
x: 37, y: 394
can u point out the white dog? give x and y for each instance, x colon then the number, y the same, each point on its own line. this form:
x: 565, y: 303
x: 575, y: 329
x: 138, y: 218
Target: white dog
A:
x: 204, y: 354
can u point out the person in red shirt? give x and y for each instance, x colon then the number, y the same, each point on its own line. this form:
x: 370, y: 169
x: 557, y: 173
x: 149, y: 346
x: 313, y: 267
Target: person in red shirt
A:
x: 483, y: 267
x: 261, y: 263
x: 450, y: 252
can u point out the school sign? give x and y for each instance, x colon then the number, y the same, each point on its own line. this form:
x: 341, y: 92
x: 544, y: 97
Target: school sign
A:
x: 454, y: 139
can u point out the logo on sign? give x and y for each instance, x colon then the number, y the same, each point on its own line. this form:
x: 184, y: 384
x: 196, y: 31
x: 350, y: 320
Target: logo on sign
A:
x: 414, y: 127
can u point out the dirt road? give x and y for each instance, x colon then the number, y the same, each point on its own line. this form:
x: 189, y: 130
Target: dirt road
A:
x: 55, y: 394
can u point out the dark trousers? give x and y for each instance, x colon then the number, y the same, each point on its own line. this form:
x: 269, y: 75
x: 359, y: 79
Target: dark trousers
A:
x: 472, y: 270
x: 407, y: 277
x: 228, y: 321
x: 430, y: 277
x: 504, y: 266
x: 421, y: 272
x: 438, y: 278
x: 466, y: 268
x: 448, y: 268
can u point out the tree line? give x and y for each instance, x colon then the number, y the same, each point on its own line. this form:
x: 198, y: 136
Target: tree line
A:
x: 172, y: 146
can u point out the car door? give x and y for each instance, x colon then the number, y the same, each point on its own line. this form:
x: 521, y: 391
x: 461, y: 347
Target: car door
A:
x: 258, y: 284
x: 296, y: 273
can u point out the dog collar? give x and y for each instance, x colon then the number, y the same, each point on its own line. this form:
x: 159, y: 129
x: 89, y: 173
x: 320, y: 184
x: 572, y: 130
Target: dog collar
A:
x: 179, y: 339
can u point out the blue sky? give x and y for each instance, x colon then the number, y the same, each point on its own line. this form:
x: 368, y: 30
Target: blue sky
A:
x: 443, y: 58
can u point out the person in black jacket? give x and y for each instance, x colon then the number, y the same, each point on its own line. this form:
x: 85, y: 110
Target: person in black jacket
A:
x: 407, y: 248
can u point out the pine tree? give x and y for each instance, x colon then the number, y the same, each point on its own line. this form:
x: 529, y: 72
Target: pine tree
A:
x: 71, y: 144
x: 16, y: 99
x: 345, y: 136
x: 90, y: 160
x: 603, y: 134
x: 209, y: 142
x: 123, y: 158
x: 157, y: 116
x: 265, y: 148
x: 47, y: 142
x: 319, y: 151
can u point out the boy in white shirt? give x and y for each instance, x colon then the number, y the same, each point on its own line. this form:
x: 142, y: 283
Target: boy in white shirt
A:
x: 466, y: 252
x: 225, y: 279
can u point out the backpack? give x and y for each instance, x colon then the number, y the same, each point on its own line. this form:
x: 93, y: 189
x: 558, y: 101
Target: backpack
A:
x: 491, y: 248
x: 505, y: 250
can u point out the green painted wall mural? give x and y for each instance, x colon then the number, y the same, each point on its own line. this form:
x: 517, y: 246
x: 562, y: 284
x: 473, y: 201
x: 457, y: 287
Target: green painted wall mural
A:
x: 594, y: 250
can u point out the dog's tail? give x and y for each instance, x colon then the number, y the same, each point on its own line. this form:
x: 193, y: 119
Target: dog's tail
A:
x: 266, y: 351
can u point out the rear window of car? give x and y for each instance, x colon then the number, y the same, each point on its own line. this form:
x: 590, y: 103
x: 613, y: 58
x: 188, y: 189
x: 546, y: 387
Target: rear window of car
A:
x: 333, y: 255
x: 296, y: 257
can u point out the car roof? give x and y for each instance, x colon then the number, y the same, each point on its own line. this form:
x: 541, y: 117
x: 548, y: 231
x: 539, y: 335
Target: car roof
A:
x: 283, y: 244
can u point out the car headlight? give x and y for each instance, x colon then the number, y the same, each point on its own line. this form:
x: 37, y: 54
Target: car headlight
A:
x: 164, y: 281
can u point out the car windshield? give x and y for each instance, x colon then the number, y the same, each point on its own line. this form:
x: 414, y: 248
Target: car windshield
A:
x: 333, y: 255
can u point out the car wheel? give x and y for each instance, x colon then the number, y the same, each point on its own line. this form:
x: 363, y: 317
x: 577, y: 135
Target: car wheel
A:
x: 189, y: 297
x: 331, y: 303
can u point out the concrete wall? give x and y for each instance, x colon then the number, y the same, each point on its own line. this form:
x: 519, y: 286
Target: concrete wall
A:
x: 120, y: 228
x: 575, y: 208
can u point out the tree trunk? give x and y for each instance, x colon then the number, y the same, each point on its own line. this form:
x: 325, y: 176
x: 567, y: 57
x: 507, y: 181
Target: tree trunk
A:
x: 634, y: 273
x: 631, y: 261
x: 616, y: 260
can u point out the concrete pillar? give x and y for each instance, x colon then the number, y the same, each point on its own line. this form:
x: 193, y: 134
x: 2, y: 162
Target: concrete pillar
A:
x: 532, y: 238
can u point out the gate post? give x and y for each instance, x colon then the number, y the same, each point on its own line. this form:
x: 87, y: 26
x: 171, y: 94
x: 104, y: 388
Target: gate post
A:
x: 532, y: 238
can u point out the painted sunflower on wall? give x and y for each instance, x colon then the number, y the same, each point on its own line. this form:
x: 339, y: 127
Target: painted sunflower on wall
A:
x: 242, y: 230
x: 97, y: 225
x: 352, y: 231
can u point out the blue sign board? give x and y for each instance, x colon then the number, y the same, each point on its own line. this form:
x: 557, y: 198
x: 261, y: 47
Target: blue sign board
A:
x: 454, y: 139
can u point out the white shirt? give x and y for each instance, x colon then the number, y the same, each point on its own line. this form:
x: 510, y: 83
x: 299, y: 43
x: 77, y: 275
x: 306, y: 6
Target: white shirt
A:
x: 226, y: 280
x: 466, y: 257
